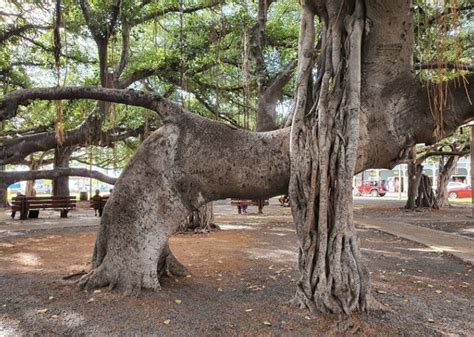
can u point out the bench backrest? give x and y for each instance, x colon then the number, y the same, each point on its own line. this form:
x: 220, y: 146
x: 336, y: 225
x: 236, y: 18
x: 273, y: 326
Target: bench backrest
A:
x: 249, y: 202
x: 25, y: 203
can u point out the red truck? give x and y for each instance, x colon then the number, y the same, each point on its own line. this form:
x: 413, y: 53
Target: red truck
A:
x: 373, y: 188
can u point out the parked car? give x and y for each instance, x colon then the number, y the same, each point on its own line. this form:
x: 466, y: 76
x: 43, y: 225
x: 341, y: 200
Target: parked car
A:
x: 459, y: 190
x: 374, y: 188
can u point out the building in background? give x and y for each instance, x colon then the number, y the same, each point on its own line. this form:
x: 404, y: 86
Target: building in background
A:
x: 397, y: 177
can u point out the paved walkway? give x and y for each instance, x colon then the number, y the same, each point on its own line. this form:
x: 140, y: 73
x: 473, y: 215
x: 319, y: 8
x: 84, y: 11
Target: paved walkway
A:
x: 457, y: 245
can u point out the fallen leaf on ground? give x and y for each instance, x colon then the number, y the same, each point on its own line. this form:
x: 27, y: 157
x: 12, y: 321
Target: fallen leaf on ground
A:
x: 90, y: 300
x: 219, y: 289
x: 248, y: 310
x: 167, y: 322
x: 381, y: 292
x: 267, y: 323
x: 98, y: 291
x: 42, y: 311
x: 438, y: 291
x: 55, y: 316
x: 177, y: 301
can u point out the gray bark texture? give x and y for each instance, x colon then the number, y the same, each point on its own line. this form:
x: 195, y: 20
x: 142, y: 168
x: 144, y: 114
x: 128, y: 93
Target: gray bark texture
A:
x: 165, y: 181
x: 445, y: 170
x: 414, y: 178
x: 324, y: 144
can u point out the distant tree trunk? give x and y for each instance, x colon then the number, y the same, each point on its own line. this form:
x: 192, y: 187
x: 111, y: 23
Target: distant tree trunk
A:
x: 3, y: 187
x: 30, y: 184
x: 414, y: 173
x: 3, y: 196
x: 62, y: 156
x: 200, y: 220
x: 426, y: 198
x: 445, y: 170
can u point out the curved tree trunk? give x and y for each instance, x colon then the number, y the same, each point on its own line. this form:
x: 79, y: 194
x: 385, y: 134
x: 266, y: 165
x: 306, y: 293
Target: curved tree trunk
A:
x: 324, y: 143
x: 165, y: 181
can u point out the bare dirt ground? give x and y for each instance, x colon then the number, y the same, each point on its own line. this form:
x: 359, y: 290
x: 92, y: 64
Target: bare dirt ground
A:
x: 242, y: 279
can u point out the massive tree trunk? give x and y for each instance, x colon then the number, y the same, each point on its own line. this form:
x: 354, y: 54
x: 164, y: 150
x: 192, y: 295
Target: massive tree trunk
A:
x: 165, y: 181
x: 62, y: 156
x: 324, y: 144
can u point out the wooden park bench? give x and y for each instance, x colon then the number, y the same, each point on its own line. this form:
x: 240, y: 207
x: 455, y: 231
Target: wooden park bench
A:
x: 30, y: 206
x: 260, y: 203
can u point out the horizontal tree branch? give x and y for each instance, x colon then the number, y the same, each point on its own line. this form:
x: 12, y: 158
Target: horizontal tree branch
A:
x: 13, y: 150
x: 10, y: 177
x: 10, y: 102
x: 173, y: 9
x: 18, y: 30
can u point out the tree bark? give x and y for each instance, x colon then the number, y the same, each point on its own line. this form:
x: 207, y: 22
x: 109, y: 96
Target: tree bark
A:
x: 200, y: 220
x: 425, y: 196
x: 30, y: 184
x: 62, y: 156
x: 446, y: 169
x: 166, y: 180
x: 324, y: 144
x: 3, y: 195
x: 414, y: 178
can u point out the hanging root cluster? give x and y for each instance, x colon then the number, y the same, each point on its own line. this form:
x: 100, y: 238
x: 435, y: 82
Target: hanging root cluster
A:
x: 324, y: 146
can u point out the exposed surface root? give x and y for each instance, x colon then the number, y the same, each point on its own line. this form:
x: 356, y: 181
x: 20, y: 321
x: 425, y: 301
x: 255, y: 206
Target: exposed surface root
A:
x: 170, y: 266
